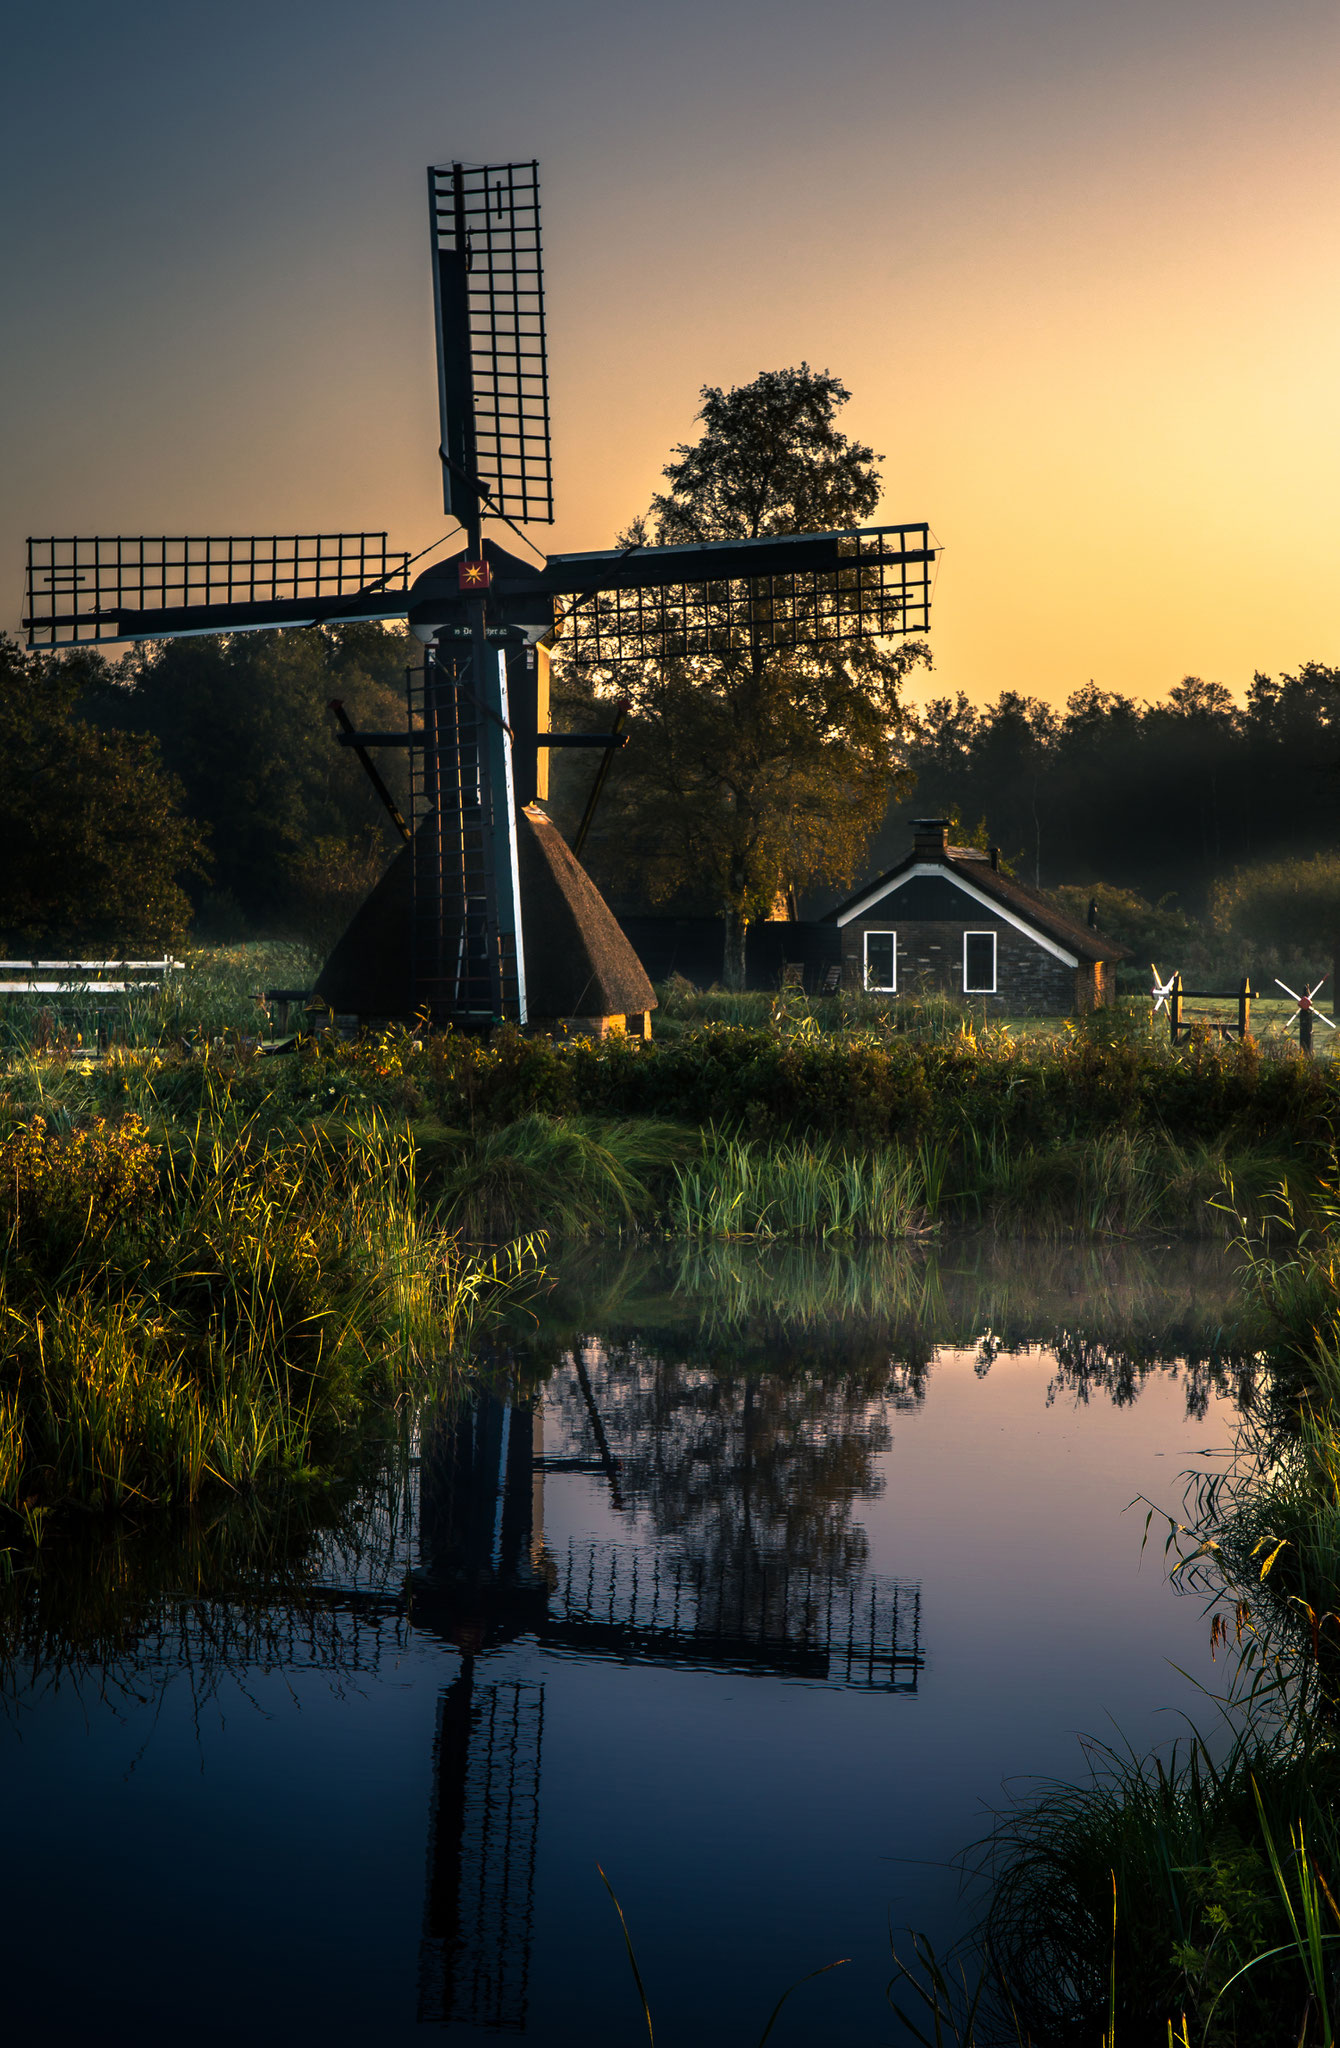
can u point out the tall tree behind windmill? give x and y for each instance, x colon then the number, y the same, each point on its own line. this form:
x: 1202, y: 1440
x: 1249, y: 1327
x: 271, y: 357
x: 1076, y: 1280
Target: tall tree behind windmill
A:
x: 756, y: 769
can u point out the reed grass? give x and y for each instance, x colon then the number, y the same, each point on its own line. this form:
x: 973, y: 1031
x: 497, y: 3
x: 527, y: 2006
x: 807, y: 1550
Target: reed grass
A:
x: 578, y: 1177
x: 1218, y: 1867
x: 571, y: 1177
x: 1180, y: 1900
x: 740, y: 1189
x: 218, y: 1312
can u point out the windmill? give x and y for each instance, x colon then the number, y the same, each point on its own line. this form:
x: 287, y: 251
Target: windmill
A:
x: 1306, y: 1012
x: 1161, y: 989
x: 457, y: 941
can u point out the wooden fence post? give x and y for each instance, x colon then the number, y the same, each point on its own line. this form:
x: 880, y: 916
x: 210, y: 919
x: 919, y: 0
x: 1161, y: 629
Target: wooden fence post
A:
x: 1175, y: 1009
x: 1245, y: 1006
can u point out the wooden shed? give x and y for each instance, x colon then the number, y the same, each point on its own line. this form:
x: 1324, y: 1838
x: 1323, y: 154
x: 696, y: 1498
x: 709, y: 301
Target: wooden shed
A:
x: 946, y: 918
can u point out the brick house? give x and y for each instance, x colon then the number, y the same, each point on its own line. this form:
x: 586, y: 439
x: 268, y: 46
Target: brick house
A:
x: 945, y: 918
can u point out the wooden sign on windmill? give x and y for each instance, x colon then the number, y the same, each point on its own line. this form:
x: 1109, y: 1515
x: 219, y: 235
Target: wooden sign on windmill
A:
x: 486, y: 915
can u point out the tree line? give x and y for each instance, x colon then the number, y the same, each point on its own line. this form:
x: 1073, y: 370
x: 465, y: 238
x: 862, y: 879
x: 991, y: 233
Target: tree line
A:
x: 1163, y: 798
x: 193, y: 785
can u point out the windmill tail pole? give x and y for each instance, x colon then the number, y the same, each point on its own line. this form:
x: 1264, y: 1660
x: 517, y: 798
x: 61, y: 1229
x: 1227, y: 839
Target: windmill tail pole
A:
x: 374, y: 776
x: 601, y: 774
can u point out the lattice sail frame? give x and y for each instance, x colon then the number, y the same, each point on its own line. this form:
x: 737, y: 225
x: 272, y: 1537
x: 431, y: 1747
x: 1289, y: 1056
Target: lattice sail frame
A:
x: 82, y: 590
x: 886, y: 590
x: 490, y: 213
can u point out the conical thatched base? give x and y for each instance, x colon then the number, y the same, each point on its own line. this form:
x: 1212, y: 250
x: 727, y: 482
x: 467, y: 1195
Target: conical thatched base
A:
x: 581, y: 971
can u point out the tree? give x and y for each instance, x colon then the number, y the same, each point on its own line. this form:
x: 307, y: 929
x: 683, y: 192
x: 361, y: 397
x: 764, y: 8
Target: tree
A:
x: 93, y: 844
x: 1287, y: 903
x: 1152, y: 931
x: 298, y: 833
x: 755, y: 770
x: 738, y: 1467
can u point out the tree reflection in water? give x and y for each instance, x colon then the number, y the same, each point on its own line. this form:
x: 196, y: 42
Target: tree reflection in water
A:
x: 744, y: 1400
x: 733, y: 1467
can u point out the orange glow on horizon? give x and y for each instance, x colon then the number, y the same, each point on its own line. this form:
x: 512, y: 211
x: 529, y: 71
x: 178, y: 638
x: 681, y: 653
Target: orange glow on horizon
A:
x: 1078, y: 268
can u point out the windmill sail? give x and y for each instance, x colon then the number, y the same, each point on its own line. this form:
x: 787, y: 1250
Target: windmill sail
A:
x: 493, y: 377
x: 723, y: 598
x: 156, y: 587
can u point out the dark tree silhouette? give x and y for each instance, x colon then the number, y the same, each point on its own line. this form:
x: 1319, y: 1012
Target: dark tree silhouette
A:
x: 94, y: 847
x: 757, y: 770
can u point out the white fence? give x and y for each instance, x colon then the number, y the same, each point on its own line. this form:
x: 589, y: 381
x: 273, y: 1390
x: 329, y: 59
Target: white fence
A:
x: 83, y: 977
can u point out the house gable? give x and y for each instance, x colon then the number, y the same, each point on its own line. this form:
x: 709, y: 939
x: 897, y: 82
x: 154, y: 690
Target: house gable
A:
x: 947, y: 896
x: 921, y: 896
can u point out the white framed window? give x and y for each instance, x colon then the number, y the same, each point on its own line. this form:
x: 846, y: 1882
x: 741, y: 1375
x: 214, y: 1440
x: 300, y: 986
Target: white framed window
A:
x: 881, y: 961
x: 979, y: 963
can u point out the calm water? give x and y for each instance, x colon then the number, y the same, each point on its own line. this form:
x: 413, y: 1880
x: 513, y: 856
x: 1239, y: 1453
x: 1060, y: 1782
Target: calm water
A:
x: 755, y: 1582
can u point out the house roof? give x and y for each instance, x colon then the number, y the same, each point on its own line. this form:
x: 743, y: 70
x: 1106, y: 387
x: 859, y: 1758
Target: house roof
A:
x: 972, y: 870
x: 578, y: 962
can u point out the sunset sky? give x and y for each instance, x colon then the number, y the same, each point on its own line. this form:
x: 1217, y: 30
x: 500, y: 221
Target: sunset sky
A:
x: 1079, y: 264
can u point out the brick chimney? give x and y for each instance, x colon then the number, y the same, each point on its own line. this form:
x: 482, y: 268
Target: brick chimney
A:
x: 929, y: 835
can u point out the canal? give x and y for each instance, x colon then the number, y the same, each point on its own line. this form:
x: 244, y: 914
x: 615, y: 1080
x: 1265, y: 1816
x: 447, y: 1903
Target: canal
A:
x: 758, y: 1582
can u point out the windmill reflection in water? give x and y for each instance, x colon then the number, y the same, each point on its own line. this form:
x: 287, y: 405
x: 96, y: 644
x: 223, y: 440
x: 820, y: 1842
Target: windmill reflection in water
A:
x: 741, y: 1557
x: 486, y: 1577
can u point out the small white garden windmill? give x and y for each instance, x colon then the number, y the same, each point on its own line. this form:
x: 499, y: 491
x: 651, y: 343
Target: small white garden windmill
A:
x: 1305, y: 1012
x: 1161, y: 989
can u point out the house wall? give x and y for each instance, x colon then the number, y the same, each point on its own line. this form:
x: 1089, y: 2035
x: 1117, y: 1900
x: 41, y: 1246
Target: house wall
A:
x: 930, y: 954
x: 1093, y: 985
x: 1029, y: 980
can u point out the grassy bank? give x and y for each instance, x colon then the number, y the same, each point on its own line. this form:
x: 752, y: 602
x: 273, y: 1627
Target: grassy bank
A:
x: 578, y: 1176
x: 742, y: 1133
x: 217, y: 1256
x: 212, y: 1306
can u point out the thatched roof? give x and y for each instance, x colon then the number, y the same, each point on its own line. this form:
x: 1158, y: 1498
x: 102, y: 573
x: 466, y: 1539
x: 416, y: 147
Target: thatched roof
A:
x: 578, y: 962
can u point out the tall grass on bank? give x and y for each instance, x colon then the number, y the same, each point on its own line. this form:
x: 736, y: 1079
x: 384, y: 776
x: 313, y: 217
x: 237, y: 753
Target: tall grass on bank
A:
x: 1266, y: 1532
x: 1180, y: 1899
x: 214, y: 1315
x: 582, y: 1177
x: 577, y: 1175
x: 571, y: 1177
x: 1097, y: 1127
x: 1216, y: 1866
x: 1092, y: 1079
x: 816, y: 1190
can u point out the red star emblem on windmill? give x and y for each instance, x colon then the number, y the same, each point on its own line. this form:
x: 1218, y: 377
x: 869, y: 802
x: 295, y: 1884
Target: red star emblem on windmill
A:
x: 473, y: 575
